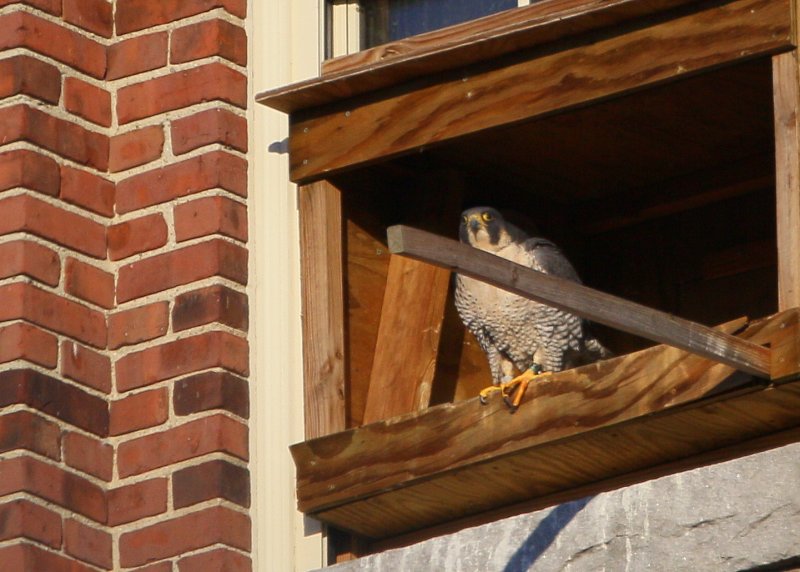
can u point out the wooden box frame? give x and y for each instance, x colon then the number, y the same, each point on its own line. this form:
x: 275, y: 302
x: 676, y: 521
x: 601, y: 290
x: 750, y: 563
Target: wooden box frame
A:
x: 449, y: 462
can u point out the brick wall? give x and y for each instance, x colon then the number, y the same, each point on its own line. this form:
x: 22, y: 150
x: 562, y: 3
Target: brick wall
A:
x: 123, y: 265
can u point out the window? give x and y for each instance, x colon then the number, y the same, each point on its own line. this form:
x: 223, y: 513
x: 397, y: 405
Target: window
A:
x: 360, y: 24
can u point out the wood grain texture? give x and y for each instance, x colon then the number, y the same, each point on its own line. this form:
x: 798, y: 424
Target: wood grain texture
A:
x: 705, y: 458
x: 497, y: 34
x: 586, y: 302
x: 573, y: 428
x: 367, y: 267
x: 323, y: 308
x: 408, y: 339
x: 392, y: 122
x: 786, y: 90
x: 459, y: 45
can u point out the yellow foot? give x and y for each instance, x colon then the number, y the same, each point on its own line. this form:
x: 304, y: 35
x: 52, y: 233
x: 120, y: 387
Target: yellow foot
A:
x: 512, y: 391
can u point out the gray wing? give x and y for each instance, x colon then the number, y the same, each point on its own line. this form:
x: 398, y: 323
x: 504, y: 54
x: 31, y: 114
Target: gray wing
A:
x: 549, y: 259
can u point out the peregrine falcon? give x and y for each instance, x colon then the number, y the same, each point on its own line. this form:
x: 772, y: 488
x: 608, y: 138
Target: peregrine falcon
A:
x: 514, y: 331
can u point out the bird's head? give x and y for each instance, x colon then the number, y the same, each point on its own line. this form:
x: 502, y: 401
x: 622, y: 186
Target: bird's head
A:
x: 484, y: 228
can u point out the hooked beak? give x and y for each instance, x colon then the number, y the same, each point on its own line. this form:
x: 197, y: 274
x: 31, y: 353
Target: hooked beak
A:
x: 475, y: 223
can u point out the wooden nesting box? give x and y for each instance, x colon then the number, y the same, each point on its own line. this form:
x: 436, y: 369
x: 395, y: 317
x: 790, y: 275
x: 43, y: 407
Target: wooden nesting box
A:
x: 655, y: 140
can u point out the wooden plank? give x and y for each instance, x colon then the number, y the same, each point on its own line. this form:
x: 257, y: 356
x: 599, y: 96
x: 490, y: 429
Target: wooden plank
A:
x: 568, y: 432
x: 574, y: 463
x: 392, y: 122
x: 496, y: 35
x: 710, y: 457
x: 408, y: 339
x: 323, y: 308
x: 786, y: 90
x: 586, y: 302
x: 367, y: 267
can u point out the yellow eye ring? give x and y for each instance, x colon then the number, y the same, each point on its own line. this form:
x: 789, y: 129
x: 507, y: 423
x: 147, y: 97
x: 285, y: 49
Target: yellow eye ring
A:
x: 465, y: 219
x: 487, y: 217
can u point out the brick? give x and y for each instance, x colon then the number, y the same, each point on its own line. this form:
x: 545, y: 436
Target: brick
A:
x: 24, y: 341
x: 211, y: 390
x: 89, y: 283
x: 136, y: 236
x: 26, y: 430
x: 87, y: 543
x: 22, y: 257
x: 30, y: 76
x: 53, y: 484
x: 24, y: 30
x: 183, y: 266
x: 133, y: 15
x: 87, y: 190
x: 28, y: 557
x: 187, y: 355
x: 135, y: 148
x: 137, y: 501
x: 210, y: 215
x: 29, y: 169
x: 87, y: 101
x: 53, y: 397
x: 85, y: 366
x: 23, y: 123
x: 89, y: 455
x: 209, y: 82
x: 23, y: 301
x: 220, y: 559
x: 214, y: 434
x: 137, y: 55
x: 209, y: 38
x: 211, y: 480
x: 138, y: 325
x: 139, y: 411
x: 51, y: 6
x: 208, y: 127
x: 184, y: 534
x: 22, y: 518
x: 93, y: 15
x: 216, y: 169
x: 24, y: 213
x: 214, y: 304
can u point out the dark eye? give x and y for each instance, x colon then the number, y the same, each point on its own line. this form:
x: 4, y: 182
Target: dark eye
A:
x: 464, y: 219
x: 487, y: 217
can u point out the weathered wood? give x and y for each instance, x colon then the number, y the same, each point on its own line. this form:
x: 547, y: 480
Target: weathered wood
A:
x: 493, y: 36
x: 367, y: 265
x: 786, y: 90
x: 573, y: 428
x: 392, y: 122
x: 705, y: 458
x: 408, y: 339
x: 323, y: 308
x: 582, y: 300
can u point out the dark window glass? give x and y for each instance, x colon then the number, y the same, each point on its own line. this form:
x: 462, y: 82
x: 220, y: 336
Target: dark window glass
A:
x: 388, y: 20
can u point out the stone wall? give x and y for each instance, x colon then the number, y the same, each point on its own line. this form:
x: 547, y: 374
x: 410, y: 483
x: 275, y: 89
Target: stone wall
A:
x: 743, y: 514
x: 123, y: 265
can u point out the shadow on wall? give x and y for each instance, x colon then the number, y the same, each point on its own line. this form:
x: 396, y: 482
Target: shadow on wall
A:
x: 544, y: 534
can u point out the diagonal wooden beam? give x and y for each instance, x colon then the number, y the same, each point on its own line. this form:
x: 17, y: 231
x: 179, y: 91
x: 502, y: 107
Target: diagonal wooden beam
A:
x: 581, y: 300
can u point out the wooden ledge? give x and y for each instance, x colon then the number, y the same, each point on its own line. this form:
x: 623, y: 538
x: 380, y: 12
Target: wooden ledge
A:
x: 576, y: 428
x: 456, y: 46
